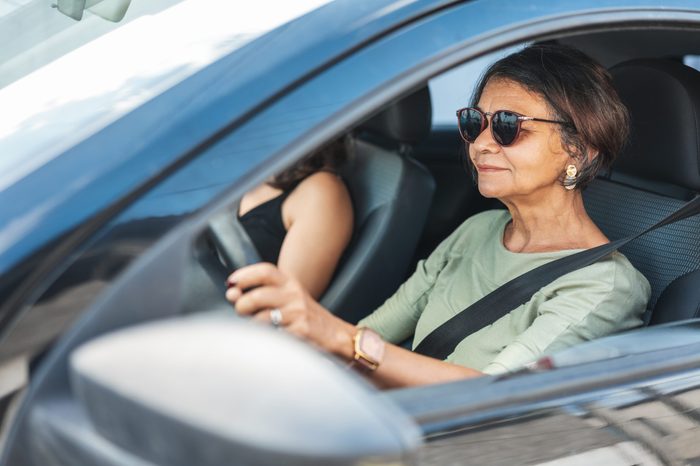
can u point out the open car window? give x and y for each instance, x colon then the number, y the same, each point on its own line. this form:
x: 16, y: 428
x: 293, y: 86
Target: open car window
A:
x: 453, y: 89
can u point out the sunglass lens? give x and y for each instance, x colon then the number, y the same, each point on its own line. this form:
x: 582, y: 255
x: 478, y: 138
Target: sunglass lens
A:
x: 470, y: 123
x: 505, y: 127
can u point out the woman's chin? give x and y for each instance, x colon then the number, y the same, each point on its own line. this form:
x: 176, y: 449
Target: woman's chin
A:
x: 489, y: 191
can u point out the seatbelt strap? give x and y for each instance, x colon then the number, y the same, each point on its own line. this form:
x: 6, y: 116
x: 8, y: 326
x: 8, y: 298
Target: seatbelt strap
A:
x: 442, y: 341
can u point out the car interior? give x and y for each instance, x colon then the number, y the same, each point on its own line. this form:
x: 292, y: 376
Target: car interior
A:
x: 410, y: 189
x: 658, y: 171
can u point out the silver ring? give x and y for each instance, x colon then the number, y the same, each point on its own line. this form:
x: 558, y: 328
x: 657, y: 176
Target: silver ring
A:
x: 276, y: 317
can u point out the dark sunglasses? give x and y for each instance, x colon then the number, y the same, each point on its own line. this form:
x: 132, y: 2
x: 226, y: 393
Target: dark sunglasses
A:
x: 505, y: 125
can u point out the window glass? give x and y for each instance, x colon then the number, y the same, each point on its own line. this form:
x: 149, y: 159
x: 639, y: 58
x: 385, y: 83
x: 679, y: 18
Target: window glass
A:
x: 453, y: 89
x: 693, y: 61
x: 66, y: 78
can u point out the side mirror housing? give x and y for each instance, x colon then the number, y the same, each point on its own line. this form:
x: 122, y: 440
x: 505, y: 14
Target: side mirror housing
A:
x: 217, y: 390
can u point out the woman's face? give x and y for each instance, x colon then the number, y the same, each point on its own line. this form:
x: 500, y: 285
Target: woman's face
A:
x: 529, y: 169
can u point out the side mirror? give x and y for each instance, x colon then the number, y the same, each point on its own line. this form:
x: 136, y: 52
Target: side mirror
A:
x: 213, y: 390
x: 111, y: 10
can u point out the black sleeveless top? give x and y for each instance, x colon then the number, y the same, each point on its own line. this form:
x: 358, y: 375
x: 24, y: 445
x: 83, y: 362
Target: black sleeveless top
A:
x: 265, y: 227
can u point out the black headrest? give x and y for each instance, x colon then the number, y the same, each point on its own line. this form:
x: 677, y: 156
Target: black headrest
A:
x: 663, y: 98
x: 406, y: 120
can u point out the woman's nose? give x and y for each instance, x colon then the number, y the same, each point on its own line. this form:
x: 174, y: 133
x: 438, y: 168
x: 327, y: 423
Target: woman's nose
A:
x: 485, y: 142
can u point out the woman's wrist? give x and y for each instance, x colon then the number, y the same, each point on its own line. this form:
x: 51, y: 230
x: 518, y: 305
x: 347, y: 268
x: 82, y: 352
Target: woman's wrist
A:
x: 344, y: 346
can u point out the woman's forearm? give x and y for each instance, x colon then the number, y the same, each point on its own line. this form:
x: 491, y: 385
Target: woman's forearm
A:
x: 400, y: 367
x: 404, y: 368
x: 267, y: 288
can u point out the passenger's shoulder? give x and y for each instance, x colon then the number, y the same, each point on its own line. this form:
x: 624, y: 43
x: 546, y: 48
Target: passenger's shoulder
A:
x: 321, y: 193
x: 321, y: 182
x: 319, y: 189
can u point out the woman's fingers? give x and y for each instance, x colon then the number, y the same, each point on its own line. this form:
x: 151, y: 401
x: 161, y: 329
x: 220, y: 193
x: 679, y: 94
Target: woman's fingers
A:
x: 265, y: 317
x: 266, y: 294
x: 254, y: 275
x: 232, y: 294
x: 264, y: 297
x: 244, y: 285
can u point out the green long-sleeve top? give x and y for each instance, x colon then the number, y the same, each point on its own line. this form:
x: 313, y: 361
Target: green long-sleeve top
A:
x: 597, y: 300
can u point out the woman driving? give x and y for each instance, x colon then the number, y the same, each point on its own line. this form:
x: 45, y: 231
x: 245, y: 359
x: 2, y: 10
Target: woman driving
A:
x: 542, y: 123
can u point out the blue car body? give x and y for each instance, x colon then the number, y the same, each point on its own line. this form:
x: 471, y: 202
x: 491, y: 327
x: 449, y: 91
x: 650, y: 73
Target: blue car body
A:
x: 75, y: 226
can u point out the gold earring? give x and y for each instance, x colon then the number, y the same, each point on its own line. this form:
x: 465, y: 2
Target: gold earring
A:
x: 570, y: 180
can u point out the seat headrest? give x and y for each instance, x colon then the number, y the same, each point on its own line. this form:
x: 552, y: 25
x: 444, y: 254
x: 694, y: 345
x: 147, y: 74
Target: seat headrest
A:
x: 663, y: 98
x: 406, y: 120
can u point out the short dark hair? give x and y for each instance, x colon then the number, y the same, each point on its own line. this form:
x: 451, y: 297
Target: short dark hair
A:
x: 327, y: 158
x: 579, y: 91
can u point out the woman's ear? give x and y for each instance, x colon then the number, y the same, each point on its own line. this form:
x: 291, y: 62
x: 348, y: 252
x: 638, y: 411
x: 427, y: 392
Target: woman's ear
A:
x: 591, y: 154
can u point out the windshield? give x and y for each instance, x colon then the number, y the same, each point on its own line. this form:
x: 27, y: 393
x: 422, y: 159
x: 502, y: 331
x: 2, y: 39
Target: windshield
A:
x: 35, y: 32
x: 67, y: 71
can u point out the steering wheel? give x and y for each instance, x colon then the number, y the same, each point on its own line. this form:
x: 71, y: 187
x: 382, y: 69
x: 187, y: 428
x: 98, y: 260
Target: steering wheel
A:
x: 232, y: 243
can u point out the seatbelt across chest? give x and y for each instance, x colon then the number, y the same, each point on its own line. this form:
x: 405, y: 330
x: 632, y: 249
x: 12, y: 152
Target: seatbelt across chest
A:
x: 442, y: 341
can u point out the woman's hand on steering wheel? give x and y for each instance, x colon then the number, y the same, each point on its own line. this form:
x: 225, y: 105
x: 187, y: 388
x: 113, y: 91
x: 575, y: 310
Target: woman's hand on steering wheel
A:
x: 268, y: 295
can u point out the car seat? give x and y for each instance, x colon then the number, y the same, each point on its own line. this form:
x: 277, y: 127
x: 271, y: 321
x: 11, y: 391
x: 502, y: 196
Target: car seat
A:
x: 391, y: 195
x: 658, y: 171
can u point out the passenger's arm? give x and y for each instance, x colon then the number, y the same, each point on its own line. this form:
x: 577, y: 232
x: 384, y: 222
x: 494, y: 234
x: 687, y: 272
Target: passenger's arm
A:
x: 319, y: 214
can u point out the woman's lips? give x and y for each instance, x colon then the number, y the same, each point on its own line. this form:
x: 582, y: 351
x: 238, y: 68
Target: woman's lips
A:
x: 489, y: 168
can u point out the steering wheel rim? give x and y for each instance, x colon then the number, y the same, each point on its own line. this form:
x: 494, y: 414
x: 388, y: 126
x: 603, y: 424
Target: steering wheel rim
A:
x: 232, y: 243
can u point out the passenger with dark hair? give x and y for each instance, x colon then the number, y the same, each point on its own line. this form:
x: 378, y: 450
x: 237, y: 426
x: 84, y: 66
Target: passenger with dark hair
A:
x: 542, y: 123
x: 302, y: 219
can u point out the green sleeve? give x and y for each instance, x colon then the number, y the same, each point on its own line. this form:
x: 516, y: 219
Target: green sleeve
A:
x: 582, y: 309
x: 396, y: 319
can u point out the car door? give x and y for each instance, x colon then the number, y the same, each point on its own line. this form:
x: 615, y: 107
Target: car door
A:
x: 626, y: 399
